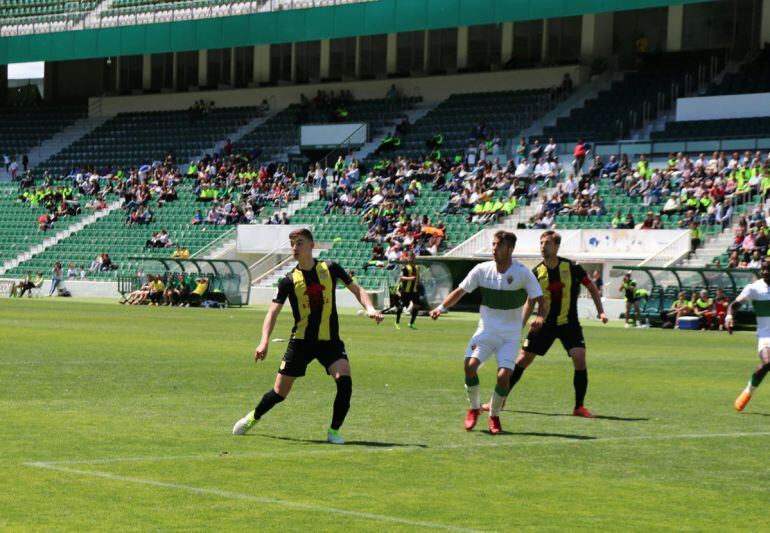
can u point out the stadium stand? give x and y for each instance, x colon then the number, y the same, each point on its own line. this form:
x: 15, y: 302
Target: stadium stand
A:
x: 753, y: 77
x: 135, y: 139
x: 646, y: 91
x: 735, y: 128
x: 22, y: 129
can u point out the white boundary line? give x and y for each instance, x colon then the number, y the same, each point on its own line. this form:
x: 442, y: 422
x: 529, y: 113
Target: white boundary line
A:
x: 58, y: 467
x: 259, y: 499
x: 494, y: 442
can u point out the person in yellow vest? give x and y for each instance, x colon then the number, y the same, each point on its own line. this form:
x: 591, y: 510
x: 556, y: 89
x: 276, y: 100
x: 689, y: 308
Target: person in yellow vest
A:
x: 703, y: 309
x: 157, y: 288
x: 410, y: 293
x: 309, y: 287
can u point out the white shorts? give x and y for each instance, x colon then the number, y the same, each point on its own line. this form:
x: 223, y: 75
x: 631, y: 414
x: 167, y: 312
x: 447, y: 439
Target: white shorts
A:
x: 483, y: 345
x: 763, y: 342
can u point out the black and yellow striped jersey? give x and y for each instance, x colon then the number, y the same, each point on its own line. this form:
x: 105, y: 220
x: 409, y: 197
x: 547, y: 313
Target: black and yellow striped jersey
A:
x: 408, y: 271
x: 311, y: 295
x: 561, y: 288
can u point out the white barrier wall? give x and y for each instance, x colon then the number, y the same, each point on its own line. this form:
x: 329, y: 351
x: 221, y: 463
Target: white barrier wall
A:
x: 722, y: 107
x: 584, y: 244
x: 263, y: 238
x: 331, y: 135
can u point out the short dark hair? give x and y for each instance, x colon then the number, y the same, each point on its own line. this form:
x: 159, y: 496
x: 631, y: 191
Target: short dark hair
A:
x: 551, y: 235
x: 302, y: 232
x: 507, y: 237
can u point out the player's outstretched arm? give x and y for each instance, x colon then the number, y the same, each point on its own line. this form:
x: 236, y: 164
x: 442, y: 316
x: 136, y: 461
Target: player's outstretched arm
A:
x: 363, y: 298
x: 541, y: 311
x: 267, y: 329
x: 451, y: 299
x: 593, y: 290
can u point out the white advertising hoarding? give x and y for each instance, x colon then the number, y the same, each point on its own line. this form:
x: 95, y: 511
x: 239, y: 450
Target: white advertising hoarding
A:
x: 331, y: 135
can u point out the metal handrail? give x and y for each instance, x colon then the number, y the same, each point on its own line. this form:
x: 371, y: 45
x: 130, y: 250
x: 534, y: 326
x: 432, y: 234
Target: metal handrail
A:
x: 215, y: 242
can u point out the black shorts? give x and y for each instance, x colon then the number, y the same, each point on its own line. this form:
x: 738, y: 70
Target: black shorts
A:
x: 301, y: 353
x: 395, y: 300
x: 570, y: 335
x: 413, y: 297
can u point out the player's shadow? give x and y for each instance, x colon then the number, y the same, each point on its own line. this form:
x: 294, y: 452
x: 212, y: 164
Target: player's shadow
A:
x: 598, y: 417
x: 756, y: 414
x: 567, y: 436
x: 367, y: 443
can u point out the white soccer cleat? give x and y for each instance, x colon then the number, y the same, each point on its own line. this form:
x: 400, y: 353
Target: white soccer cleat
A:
x: 244, y: 424
x: 334, y: 436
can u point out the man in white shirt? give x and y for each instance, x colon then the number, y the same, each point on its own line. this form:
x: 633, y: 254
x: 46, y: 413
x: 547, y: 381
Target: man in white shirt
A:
x: 505, y: 285
x: 758, y: 295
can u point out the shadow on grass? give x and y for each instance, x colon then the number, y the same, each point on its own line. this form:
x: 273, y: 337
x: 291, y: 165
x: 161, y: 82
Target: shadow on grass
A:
x: 537, y: 434
x: 598, y: 417
x: 367, y: 443
x: 756, y: 414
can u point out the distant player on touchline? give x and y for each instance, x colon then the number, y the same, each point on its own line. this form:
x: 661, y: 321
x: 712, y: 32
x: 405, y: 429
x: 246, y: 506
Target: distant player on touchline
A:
x: 310, y: 291
x: 505, y: 285
x: 758, y: 294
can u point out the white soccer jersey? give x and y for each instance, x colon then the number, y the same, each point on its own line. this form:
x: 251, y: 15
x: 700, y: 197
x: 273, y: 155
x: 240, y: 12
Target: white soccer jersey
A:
x: 502, y: 296
x: 758, y: 295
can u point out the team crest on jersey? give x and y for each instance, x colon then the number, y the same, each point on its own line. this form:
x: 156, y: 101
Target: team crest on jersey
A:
x: 283, y: 365
x: 473, y: 347
x: 510, y: 280
x: 323, y: 275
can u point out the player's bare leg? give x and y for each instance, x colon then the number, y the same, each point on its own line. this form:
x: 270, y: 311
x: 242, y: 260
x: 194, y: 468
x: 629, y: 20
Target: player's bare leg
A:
x: 580, y: 381
x: 340, y: 371
x: 498, y: 399
x: 756, y: 378
x: 473, y: 390
x: 524, y: 359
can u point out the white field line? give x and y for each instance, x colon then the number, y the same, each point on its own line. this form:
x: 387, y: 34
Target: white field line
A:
x: 258, y: 499
x: 494, y: 442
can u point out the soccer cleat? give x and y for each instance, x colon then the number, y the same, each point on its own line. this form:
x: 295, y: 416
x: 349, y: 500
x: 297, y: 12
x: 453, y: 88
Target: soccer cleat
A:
x: 494, y: 425
x: 398, y: 326
x: 582, y: 412
x: 244, y: 424
x: 470, y: 418
x: 742, y: 400
x: 333, y: 436
x: 411, y: 326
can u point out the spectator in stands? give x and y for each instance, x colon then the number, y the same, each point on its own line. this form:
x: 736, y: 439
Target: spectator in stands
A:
x: 72, y: 273
x: 580, y: 152
x: 696, y: 236
x: 756, y: 260
x: 551, y: 149
x: 648, y: 221
x: 671, y: 315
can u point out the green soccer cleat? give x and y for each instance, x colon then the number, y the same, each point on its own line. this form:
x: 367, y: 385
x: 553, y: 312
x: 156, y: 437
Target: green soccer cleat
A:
x: 245, y: 424
x: 411, y: 326
x: 333, y: 436
x: 398, y: 326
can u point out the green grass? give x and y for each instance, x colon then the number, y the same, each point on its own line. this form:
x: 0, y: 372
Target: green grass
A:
x: 161, y: 388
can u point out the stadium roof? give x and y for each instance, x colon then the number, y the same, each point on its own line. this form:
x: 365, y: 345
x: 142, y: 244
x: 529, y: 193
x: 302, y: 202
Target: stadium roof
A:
x: 349, y: 20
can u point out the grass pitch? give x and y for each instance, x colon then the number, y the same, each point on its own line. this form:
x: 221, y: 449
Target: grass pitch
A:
x: 119, y: 418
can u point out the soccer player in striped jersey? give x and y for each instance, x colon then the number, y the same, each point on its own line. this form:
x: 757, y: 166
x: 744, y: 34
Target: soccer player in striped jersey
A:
x: 410, y: 281
x: 310, y: 291
x: 758, y: 295
x: 505, y: 286
x: 560, y: 280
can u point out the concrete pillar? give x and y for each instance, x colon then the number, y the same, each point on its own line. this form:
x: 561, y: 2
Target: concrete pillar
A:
x: 426, y: 51
x: 462, y: 47
x: 358, y: 57
x: 675, y: 27
x: 262, y: 63
x: 203, y: 68
x: 4, y: 81
x: 544, y: 43
x: 506, y: 42
x: 147, y: 72
x: 293, y: 61
x: 174, y: 73
x: 596, y: 38
x: 326, y: 57
x: 764, y: 29
x: 233, y: 57
x: 116, y: 65
x: 391, y: 53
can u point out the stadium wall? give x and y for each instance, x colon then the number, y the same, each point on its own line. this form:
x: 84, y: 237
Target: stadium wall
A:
x: 723, y: 107
x: 350, y: 20
x: 432, y: 89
